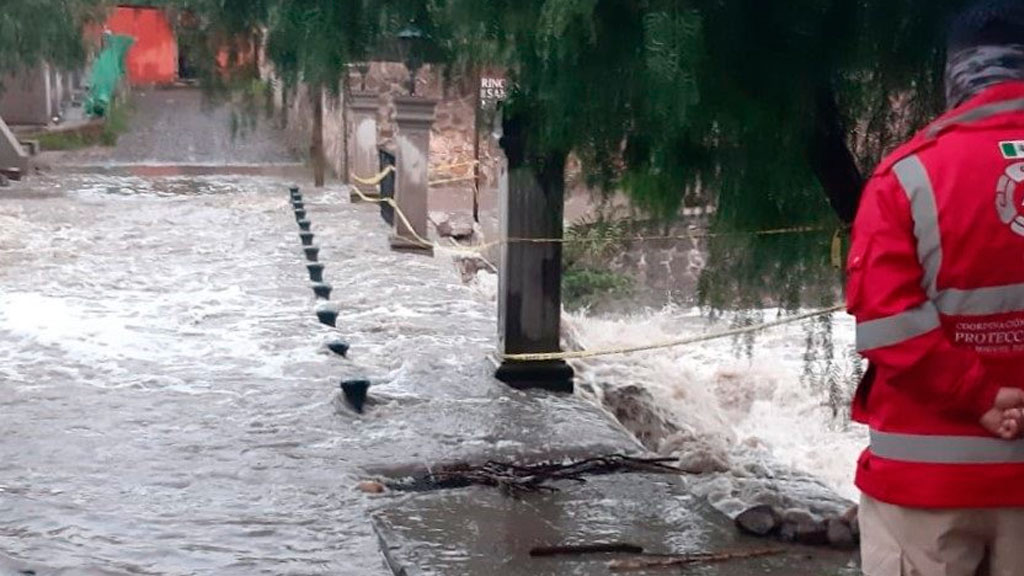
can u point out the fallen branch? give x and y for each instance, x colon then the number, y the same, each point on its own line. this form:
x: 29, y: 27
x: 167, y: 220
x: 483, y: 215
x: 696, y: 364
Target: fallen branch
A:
x: 515, y: 479
x: 583, y: 549
x: 670, y: 561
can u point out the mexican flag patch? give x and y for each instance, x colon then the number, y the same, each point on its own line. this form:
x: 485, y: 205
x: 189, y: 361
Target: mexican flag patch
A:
x: 1012, y: 150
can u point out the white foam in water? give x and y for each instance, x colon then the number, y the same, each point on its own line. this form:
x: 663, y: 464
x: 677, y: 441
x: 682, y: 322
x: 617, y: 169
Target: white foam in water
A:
x: 724, y: 399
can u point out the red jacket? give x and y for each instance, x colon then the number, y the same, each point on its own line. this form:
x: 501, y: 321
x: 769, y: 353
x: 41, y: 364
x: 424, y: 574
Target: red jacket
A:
x: 936, y: 282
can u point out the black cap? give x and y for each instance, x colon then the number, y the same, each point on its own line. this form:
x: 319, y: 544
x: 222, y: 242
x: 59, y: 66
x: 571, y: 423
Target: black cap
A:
x: 987, y: 23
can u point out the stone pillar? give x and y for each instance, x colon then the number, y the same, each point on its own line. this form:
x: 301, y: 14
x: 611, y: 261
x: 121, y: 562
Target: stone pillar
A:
x: 363, y: 160
x: 530, y: 279
x: 414, y: 118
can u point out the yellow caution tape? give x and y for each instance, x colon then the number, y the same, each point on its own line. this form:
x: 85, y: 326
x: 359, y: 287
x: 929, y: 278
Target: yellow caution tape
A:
x: 837, y: 250
x: 581, y: 354
x: 446, y: 167
x: 450, y: 180
x: 479, y: 250
x: 376, y: 180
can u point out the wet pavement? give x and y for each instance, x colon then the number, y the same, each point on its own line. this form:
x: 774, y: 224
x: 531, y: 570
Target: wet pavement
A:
x: 478, y: 531
x: 180, y: 127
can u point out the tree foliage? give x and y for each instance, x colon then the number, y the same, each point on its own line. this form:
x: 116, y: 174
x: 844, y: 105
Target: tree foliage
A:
x: 773, y: 112
x: 33, y: 31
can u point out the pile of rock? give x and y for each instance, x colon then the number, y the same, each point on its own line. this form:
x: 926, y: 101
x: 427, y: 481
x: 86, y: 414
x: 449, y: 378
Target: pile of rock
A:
x: 801, y: 526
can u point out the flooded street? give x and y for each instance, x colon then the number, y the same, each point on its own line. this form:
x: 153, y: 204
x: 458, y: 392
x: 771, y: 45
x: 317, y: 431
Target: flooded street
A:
x: 168, y: 405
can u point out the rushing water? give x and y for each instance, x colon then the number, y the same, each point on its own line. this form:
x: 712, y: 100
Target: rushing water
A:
x: 166, y: 406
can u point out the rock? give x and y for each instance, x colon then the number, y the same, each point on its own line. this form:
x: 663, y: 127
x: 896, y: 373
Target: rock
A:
x: 638, y: 411
x: 457, y: 226
x: 840, y: 535
x: 852, y: 519
x: 470, y: 266
x: 759, y: 521
x: 812, y: 533
x: 703, y: 458
x: 4, y: 181
x: 797, y: 516
x: 370, y: 487
x: 12, y: 173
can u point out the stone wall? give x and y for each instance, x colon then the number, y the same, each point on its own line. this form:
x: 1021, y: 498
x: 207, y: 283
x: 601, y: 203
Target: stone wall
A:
x: 451, y: 139
x: 28, y: 97
x: 296, y: 113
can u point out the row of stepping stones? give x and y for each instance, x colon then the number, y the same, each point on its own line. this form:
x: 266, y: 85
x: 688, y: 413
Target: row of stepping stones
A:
x: 355, y: 391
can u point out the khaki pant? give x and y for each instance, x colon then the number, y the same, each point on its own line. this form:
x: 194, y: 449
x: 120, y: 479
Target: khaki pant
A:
x: 899, y: 541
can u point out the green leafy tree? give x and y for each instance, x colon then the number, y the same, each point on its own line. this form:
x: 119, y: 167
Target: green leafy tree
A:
x: 33, y: 31
x: 771, y: 111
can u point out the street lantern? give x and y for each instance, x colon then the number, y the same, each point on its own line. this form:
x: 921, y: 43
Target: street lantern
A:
x: 411, y: 43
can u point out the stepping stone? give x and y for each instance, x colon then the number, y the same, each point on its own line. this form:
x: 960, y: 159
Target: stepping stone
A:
x: 307, y: 238
x: 322, y: 291
x: 355, y: 392
x: 328, y: 317
x: 304, y: 225
x: 300, y: 214
x: 339, y: 347
x: 312, y: 253
x: 316, y: 272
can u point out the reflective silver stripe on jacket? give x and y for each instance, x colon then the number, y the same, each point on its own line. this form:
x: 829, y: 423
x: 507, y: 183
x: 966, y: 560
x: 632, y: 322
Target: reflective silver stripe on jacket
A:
x: 981, y: 301
x: 899, y: 328
x: 977, y: 115
x: 924, y: 449
x: 917, y: 185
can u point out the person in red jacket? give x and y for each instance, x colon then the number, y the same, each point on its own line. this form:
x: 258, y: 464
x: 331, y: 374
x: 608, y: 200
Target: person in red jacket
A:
x: 936, y: 283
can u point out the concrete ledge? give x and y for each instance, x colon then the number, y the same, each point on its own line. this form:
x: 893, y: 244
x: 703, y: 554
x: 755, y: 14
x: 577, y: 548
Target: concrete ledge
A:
x: 555, y: 376
x: 481, y: 531
x: 400, y: 244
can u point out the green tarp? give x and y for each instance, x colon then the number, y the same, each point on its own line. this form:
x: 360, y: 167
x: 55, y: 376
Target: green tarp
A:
x: 106, y: 74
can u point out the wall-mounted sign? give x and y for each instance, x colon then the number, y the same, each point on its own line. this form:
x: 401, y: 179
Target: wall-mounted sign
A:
x: 492, y: 89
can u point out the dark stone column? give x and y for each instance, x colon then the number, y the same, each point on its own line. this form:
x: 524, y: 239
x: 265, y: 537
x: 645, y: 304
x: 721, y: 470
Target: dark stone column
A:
x: 530, y: 280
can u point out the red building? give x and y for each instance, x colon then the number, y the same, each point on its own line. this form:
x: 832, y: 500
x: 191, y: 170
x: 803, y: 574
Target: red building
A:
x: 153, y: 59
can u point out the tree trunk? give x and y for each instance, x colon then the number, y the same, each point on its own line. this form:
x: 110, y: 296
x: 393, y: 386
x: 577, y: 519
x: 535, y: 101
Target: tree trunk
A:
x: 831, y: 159
x: 316, y: 150
x: 343, y: 106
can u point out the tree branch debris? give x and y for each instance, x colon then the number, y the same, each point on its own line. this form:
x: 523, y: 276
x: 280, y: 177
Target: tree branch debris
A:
x: 516, y: 480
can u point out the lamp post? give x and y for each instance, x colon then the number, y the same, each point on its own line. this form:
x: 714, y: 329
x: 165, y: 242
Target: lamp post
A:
x: 410, y: 46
